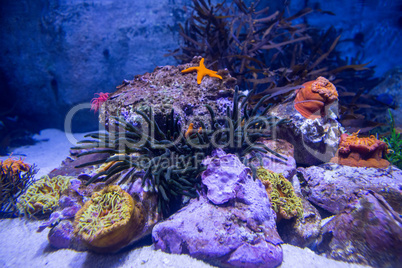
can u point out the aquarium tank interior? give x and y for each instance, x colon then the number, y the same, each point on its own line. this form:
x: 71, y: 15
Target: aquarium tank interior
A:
x: 200, y: 133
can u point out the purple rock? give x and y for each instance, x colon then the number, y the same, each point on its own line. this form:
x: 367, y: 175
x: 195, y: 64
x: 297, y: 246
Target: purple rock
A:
x: 237, y: 229
x: 223, y: 178
x: 60, y: 236
x: 332, y: 186
x: 69, y: 212
x: 75, y: 184
x: 66, y: 201
x: 368, y: 232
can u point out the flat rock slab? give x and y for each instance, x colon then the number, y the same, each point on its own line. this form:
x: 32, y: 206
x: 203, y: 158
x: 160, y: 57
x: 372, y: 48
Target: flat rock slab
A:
x: 331, y: 186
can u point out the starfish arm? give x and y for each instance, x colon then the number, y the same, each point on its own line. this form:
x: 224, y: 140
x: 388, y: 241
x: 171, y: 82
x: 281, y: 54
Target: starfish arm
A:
x: 202, y: 63
x: 199, y: 78
x: 215, y: 75
x: 191, y: 69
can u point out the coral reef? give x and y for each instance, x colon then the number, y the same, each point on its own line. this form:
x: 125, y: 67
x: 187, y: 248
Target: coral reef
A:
x: 331, y: 186
x: 170, y: 158
x: 236, y: 230
x: 110, y: 220
x: 314, y: 96
x: 284, y: 201
x: 43, y: 195
x: 368, y: 232
x: 15, y: 176
x: 361, y: 152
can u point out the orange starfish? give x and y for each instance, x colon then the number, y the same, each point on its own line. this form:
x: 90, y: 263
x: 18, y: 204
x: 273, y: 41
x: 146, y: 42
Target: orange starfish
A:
x: 202, y: 71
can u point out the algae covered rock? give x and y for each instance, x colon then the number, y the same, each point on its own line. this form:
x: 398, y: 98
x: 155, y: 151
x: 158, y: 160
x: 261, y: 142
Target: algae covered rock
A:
x: 368, y: 231
x: 236, y: 229
x: 166, y: 88
x: 331, y: 186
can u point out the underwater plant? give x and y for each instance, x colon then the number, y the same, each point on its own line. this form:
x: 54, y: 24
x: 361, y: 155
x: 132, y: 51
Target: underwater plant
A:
x: 169, y: 161
x: 284, y: 201
x: 394, y: 142
x: 15, y: 177
x: 109, y: 220
x: 43, y: 195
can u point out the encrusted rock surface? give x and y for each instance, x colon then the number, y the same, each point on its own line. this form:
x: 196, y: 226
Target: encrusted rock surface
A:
x: 166, y: 88
x: 302, y: 231
x: 315, y: 141
x: 230, y: 225
x: 269, y: 161
x: 331, y: 186
x: 368, y: 232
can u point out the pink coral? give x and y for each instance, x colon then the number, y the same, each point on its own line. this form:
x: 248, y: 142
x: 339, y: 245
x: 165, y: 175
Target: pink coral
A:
x: 97, y: 102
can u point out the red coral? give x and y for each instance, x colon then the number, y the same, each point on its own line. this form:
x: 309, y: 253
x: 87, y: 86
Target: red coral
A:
x: 314, y: 96
x: 97, y: 102
x: 361, y: 152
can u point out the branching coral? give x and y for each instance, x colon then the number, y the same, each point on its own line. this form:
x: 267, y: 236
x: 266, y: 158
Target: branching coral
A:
x: 109, y: 220
x: 96, y: 103
x: 15, y: 176
x: 361, y: 152
x: 169, y: 161
x: 314, y: 96
x: 281, y: 194
x: 43, y: 195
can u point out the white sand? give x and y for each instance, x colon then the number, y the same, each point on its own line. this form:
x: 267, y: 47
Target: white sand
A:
x: 22, y: 246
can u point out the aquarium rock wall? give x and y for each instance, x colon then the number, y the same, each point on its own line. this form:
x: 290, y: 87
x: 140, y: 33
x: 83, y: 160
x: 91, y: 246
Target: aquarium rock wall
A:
x: 56, y: 54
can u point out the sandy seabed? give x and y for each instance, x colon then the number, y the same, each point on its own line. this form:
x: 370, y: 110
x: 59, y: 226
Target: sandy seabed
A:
x: 22, y: 246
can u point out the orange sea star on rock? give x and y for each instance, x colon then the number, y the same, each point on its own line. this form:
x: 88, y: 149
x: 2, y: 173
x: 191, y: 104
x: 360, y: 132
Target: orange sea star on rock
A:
x: 314, y: 96
x: 202, y: 71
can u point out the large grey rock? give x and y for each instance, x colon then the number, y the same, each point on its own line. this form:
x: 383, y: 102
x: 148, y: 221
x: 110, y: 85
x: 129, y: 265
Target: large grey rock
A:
x: 331, y: 186
x: 230, y: 225
x: 368, y: 232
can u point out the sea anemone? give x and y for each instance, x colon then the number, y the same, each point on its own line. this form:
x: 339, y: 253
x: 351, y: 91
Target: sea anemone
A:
x: 314, y: 96
x: 96, y: 103
x: 110, y: 220
x: 283, y: 199
x: 361, y: 152
x: 43, y: 195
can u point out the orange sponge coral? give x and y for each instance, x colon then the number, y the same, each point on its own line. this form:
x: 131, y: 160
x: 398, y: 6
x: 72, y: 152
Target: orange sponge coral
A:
x: 361, y: 152
x: 16, y: 165
x: 314, y: 96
